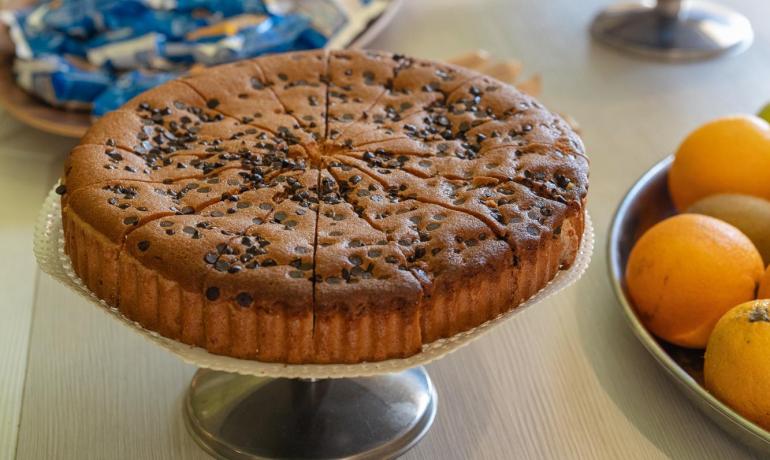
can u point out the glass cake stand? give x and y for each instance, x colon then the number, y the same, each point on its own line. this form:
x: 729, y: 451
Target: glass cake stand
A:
x: 242, y: 409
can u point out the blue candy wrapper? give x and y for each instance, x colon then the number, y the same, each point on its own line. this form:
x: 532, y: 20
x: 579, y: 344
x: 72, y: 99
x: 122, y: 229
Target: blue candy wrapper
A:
x: 276, y: 34
x: 128, y: 86
x: 30, y: 43
x: 60, y: 82
x: 79, y: 86
x: 82, y: 18
x: 130, y: 53
x: 173, y: 25
x: 226, y: 7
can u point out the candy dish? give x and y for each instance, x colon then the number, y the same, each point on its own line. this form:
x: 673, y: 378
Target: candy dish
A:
x: 645, y: 204
x: 34, y: 112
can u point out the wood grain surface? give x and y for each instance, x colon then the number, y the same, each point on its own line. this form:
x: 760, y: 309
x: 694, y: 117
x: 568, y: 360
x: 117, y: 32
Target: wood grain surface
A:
x: 566, y: 379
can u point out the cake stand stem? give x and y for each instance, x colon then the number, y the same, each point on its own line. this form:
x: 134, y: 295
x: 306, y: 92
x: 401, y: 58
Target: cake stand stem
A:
x: 673, y: 30
x: 234, y: 416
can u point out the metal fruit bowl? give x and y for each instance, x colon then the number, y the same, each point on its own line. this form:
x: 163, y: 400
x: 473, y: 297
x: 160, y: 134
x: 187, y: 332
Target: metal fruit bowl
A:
x: 645, y: 204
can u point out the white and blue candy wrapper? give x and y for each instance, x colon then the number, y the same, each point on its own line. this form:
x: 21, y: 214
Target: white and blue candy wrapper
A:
x: 81, y: 18
x: 30, y: 44
x: 226, y: 7
x: 333, y: 23
x: 276, y: 34
x: 130, y: 53
x: 79, y: 86
x: 326, y: 18
x: 128, y: 86
x: 359, y: 14
x: 27, y: 70
x: 173, y: 25
x: 61, y: 83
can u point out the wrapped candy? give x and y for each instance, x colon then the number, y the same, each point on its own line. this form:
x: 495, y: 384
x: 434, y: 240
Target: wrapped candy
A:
x: 128, y: 86
x: 129, y: 53
x: 60, y: 82
x: 276, y: 34
x: 226, y: 7
x: 173, y: 25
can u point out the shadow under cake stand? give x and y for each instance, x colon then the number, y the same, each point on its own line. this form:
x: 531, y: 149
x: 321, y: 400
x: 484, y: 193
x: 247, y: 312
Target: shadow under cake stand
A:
x: 242, y: 409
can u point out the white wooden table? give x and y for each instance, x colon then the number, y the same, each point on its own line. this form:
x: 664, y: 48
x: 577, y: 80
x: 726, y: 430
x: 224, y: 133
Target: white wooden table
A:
x: 564, y: 380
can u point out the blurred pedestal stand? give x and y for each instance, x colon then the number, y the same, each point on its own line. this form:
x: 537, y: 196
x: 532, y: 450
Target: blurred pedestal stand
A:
x: 233, y: 416
x: 673, y: 30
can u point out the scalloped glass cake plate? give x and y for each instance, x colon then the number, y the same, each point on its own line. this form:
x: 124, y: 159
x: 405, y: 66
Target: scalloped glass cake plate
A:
x: 49, y: 250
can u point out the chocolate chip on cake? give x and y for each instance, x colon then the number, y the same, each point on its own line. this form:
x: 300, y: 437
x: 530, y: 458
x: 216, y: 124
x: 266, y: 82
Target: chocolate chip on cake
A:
x: 212, y: 293
x: 244, y: 299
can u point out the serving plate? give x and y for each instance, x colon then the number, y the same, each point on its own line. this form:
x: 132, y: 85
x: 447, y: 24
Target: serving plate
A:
x: 645, y: 204
x: 34, y: 112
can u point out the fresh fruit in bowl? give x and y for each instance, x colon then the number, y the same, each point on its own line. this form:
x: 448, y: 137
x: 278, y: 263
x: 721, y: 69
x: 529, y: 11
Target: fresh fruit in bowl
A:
x: 750, y: 214
x: 737, y: 362
x: 694, y: 278
x: 685, y: 272
x: 727, y: 155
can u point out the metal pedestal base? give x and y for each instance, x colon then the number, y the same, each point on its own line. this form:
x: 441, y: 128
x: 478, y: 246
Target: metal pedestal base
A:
x: 673, y: 31
x: 234, y: 416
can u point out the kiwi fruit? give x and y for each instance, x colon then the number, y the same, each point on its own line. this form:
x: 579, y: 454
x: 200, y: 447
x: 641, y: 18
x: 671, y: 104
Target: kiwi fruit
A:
x: 749, y: 214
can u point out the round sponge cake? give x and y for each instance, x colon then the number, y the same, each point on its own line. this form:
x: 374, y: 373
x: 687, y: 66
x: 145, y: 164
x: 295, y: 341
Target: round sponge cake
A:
x: 324, y: 206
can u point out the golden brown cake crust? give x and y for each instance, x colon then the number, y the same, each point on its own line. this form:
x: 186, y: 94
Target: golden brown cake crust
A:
x: 323, y: 207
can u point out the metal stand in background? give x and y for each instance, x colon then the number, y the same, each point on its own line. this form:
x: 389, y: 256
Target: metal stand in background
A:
x: 234, y: 416
x: 673, y: 30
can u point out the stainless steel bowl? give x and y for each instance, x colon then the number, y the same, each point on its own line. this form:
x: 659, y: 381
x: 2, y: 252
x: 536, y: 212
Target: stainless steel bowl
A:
x: 645, y: 204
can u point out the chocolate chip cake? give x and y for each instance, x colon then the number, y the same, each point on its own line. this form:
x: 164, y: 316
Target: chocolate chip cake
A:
x: 323, y: 207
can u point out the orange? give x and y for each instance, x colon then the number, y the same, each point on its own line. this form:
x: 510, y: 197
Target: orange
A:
x: 685, y: 272
x: 737, y: 364
x: 764, y: 285
x: 727, y: 155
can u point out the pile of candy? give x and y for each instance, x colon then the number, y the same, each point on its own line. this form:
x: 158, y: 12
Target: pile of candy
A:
x: 97, y: 54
